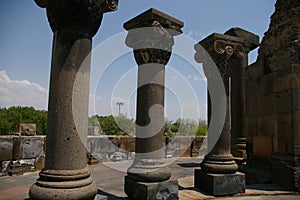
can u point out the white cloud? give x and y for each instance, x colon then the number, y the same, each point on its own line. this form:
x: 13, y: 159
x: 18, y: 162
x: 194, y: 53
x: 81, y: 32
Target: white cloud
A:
x: 196, y: 35
x: 21, y: 93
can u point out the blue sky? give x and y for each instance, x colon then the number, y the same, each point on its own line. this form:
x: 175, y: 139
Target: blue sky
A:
x: 26, y: 45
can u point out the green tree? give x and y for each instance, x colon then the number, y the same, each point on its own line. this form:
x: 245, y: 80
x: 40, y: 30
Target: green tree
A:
x: 10, y: 118
x: 126, y: 126
x: 120, y: 125
x: 202, y: 128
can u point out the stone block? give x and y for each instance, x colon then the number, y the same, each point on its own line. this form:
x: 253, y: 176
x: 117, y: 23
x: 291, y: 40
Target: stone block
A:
x: 296, y: 99
x: 284, y: 124
x: 267, y: 106
x: 280, y: 59
x: 266, y: 84
x: 283, y: 101
x: 252, y: 98
x: 128, y: 144
x: 6, y: 147
x: 27, y: 129
x: 254, y: 71
x: 262, y: 146
x: 296, y: 129
x: 295, y: 68
x: 267, y: 125
x: 220, y: 184
x: 167, y: 190
x: 32, y: 147
x: 290, y: 81
x: 252, y: 125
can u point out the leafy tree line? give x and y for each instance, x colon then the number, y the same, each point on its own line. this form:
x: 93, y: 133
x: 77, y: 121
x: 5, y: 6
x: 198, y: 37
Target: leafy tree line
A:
x: 10, y: 118
x: 121, y: 125
x: 186, y: 127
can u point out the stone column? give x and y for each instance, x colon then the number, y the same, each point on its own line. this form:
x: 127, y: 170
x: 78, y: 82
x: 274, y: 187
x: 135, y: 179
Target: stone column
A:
x: 238, y: 93
x: 151, y: 37
x: 65, y: 175
x: 218, y: 175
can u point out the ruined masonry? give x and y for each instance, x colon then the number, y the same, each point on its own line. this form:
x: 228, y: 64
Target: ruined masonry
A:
x: 273, y: 99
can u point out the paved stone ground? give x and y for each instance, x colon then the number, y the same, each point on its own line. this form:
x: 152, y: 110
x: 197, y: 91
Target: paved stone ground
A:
x: 109, y: 178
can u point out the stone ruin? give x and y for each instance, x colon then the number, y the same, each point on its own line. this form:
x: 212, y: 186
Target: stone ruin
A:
x: 27, y: 129
x: 273, y: 99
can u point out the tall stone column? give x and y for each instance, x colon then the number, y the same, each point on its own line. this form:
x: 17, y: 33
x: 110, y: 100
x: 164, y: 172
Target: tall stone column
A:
x: 151, y: 37
x: 218, y: 175
x: 238, y: 93
x: 65, y: 175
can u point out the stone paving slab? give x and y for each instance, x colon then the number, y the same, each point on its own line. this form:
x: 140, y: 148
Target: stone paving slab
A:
x: 109, y: 178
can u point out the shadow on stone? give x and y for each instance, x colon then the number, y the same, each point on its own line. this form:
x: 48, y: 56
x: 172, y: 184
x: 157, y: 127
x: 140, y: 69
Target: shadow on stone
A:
x: 189, y: 165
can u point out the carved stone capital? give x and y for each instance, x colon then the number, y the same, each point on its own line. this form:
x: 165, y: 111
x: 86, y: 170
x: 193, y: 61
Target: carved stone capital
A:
x: 157, y: 56
x: 220, y: 48
x: 251, y: 41
x: 154, y: 35
x: 227, y: 48
x: 152, y: 44
x: 151, y: 35
x: 84, y: 16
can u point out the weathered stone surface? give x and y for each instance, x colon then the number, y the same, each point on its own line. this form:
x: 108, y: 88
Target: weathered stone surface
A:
x: 262, y: 146
x: 238, y: 92
x: 73, y: 23
x: 165, y: 190
x: 150, y: 34
x: 151, y: 15
x: 218, y: 169
x: 6, y: 146
x: 266, y: 84
x: 275, y: 49
x: 218, y: 47
x: 251, y: 41
x: 272, y: 113
x: 27, y: 129
x: 86, y: 192
x: 254, y: 71
x: 220, y: 184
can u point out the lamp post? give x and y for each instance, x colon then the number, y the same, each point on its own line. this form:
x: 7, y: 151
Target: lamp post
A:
x: 120, y: 104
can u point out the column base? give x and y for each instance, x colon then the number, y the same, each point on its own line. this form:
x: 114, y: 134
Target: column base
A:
x: 220, y: 184
x: 136, y: 190
x: 42, y: 193
x: 63, y: 184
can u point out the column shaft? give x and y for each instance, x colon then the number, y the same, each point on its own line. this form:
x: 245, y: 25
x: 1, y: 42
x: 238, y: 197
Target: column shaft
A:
x: 238, y: 93
x: 238, y: 106
x: 150, y: 111
x: 65, y: 149
x: 65, y: 174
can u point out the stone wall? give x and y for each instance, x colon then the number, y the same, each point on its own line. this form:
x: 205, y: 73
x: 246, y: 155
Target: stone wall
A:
x: 273, y: 98
x: 30, y: 150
